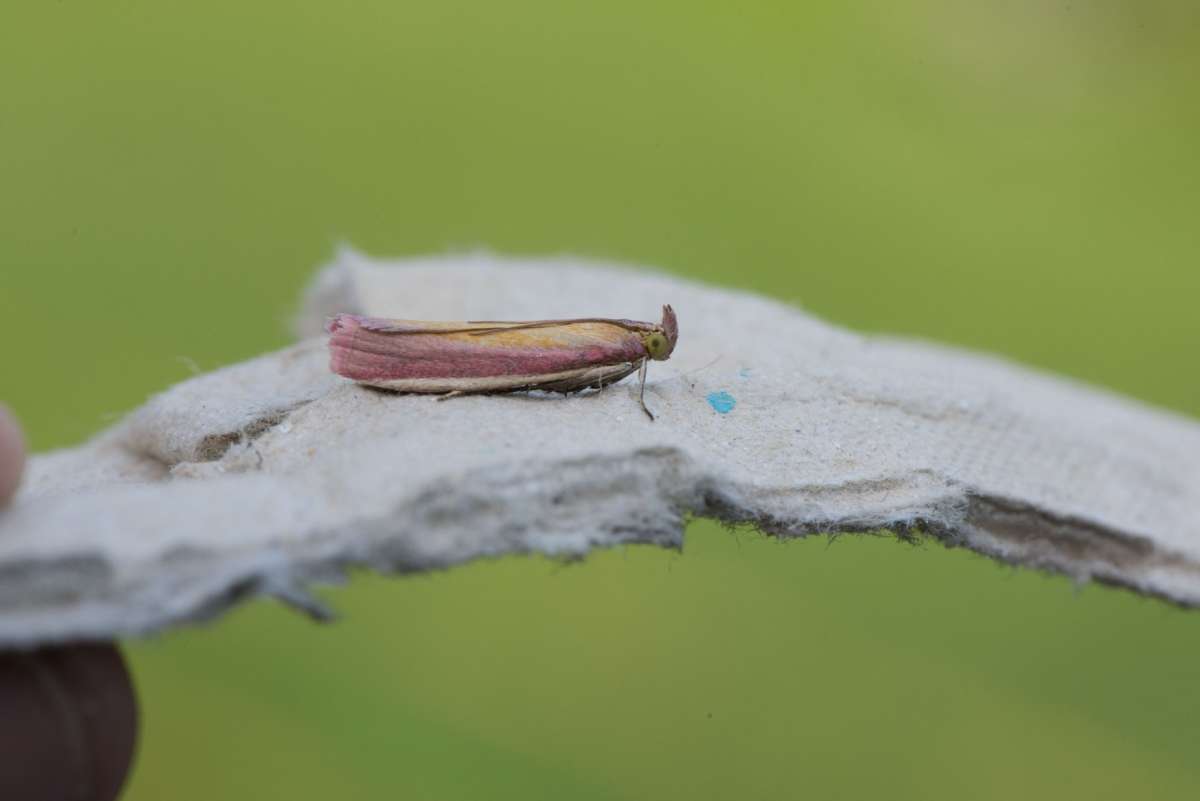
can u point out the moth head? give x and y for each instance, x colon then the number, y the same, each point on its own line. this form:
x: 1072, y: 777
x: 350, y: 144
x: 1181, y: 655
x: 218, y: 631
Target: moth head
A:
x: 660, y: 341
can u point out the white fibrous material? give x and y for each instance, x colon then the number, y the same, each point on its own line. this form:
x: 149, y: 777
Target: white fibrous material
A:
x: 274, y: 474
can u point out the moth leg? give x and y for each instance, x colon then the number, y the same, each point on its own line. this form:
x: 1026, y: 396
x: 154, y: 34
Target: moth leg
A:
x: 449, y: 395
x: 642, y: 391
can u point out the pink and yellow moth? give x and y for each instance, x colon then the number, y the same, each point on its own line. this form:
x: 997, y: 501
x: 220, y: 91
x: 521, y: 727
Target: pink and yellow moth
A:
x: 482, y: 357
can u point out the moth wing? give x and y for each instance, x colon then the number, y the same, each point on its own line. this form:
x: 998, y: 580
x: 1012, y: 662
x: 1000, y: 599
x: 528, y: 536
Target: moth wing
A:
x: 484, y: 327
x: 563, y: 381
x: 497, y: 326
x: 597, y: 377
x: 384, y: 325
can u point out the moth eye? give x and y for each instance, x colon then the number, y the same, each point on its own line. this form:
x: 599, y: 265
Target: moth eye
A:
x: 656, y: 345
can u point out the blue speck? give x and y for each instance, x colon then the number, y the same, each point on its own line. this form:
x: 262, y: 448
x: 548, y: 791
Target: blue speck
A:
x: 744, y: 373
x: 722, y: 402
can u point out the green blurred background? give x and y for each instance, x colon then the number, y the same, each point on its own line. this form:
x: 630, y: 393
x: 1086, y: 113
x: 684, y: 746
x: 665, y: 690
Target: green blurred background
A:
x: 1020, y: 177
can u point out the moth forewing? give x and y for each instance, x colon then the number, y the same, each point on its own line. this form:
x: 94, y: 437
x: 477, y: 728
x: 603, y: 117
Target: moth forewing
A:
x: 480, y: 357
x: 565, y: 382
x: 588, y: 378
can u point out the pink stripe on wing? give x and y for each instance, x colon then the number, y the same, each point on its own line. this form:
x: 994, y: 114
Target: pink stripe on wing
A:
x: 362, y: 354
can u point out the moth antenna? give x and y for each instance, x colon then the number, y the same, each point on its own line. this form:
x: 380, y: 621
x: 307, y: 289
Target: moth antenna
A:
x: 698, y: 369
x: 705, y: 367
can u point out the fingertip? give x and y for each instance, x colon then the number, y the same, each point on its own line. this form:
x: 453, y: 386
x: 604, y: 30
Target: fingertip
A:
x: 12, y: 454
x: 70, y: 723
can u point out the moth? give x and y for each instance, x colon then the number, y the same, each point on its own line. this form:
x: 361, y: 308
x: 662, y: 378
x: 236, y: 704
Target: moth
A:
x: 488, y: 356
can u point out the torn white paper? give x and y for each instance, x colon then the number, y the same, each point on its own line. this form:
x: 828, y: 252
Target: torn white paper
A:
x: 273, y: 474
